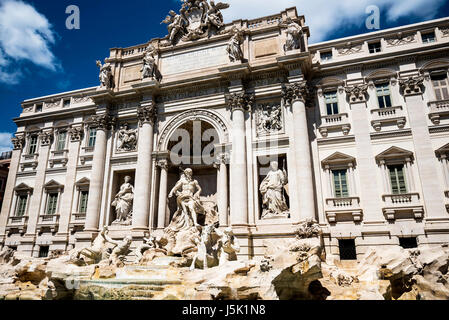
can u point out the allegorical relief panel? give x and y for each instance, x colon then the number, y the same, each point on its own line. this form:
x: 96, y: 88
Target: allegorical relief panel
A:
x: 269, y: 119
x: 127, y: 139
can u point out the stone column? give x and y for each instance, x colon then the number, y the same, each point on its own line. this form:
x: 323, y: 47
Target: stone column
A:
x: 445, y: 168
x: 19, y: 142
x: 146, y: 114
x: 162, y: 210
x: 432, y: 195
x: 295, y: 95
x: 35, y: 210
x: 103, y: 124
x: 75, y: 136
x: 353, y: 186
x: 222, y: 189
x: 409, y: 173
x: 386, y: 177
x: 238, y: 103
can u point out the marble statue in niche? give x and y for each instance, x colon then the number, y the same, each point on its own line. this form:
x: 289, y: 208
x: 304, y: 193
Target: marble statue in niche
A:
x: 294, y: 33
x: 272, y: 189
x: 123, y: 203
x: 188, y: 201
x: 234, y: 47
x: 269, y: 119
x: 106, y: 76
x: 127, y: 139
x: 150, y: 69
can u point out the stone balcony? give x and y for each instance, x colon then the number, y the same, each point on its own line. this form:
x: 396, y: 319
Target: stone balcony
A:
x: 17, y: 223
x: 437, y: 110
x: 77, y: 221
x: 337, y: 122
x: 403, y: 206
x: 391, y: 115
x: 48, y: 222
x: 29, y: 161
x: 343, y: 209
x: 59, y: 159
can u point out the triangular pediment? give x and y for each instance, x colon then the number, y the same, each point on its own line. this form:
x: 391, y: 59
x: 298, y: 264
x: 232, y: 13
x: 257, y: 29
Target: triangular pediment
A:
x: 83, y: 181
x: 23, y: 187
x: 394, y: 153
x: 338, y: 158
x: 52, y: 184
x: 443, y: 150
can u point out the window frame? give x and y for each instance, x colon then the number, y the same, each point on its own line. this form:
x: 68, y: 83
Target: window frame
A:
x: 54, y: 205
x: 395, y: 180
x: 326, y: 56
x: 440, y: 95
x: 80, y: 201
x: 376, y: 49
x: 58, y: 146
x: 90, y: 137
x: 32, y: 137
x: 18, y: 206
x: 331, y: 104
x: 339, y: 189
x: 383, y: 95
x: 425, y: 38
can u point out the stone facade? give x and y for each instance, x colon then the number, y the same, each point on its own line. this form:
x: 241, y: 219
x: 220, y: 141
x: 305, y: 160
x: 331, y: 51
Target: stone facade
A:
x: 359, y: 125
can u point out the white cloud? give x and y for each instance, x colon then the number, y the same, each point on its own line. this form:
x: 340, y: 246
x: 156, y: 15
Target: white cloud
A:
x: 5, y: 142
x: 324, y: 16
x: 25, y: 35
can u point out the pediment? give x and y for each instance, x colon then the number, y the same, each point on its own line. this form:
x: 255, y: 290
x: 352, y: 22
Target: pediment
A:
x: 443, y: 150
x: 331, y: 82
x: 338, y: 158
x: 381, y: 74
x: 52, y: 184
x: 435, y: 65
x: 23, y: 187
x: 394, y: 153
x: 83, y: 181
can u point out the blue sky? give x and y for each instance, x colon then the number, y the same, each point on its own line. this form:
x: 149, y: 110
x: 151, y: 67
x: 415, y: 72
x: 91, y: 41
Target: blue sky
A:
x: 39, y: 56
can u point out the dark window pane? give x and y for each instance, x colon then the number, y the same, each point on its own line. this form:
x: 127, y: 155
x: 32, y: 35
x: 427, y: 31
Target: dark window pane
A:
x: 347, y: 249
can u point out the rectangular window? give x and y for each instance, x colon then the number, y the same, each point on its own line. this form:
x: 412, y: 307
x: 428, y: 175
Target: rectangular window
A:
x: 92, y: 137
x: 21, y: 205
x: 62, y: 137
x: 43, y: 251
x: 441, y: 86
x: 33, y: 145
x: 66, y: 103
x: 52, y: 203
x: 39, y: 108
x: 397, y: 178
x: 384, y: 95
x: 428, y: 37
x: 331, y: 103
x: 408, y: 243
x: 340, y: 183
x: 326, y: 56
x: 84, y: 197
x: 374, y: 47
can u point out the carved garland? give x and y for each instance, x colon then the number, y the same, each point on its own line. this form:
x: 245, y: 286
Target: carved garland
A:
x: 357, y: 93
x: 46, y: 137
x: 18, y: 142
x: 76, y: 133
x: 412, y: 85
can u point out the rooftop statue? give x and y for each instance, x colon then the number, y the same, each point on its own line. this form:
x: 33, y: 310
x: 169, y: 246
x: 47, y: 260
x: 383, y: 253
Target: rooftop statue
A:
x: 106, y: 76
x: 150, y: 68
x: 234, y: 47
x: 294, y: 33
x: 196, y: 19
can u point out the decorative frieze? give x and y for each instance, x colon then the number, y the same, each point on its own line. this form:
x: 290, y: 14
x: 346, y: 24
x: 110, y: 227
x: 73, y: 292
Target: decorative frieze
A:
x: 412, y: 85
x: 350, y: 48
x: 401, y: 39
x: 240, y: 101
x: 127, y: 139
x: 357, y: 93
x: 295, y: 91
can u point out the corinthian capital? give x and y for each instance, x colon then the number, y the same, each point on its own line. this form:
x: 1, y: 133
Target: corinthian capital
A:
x: 46, y: 137
x: 76, y: 133
x: 412, y: 85
x: 357, y: 93
x: 102, y: 122
x: 18, y: 142
x: 240, y: 101
x: 147, y: 114
x: 295, y: 91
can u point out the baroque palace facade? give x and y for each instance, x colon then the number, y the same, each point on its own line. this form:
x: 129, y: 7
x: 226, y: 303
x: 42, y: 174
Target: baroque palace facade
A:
x: 359, y: 128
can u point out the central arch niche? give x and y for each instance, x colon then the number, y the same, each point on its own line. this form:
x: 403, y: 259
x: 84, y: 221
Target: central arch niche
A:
x: 192, y: 145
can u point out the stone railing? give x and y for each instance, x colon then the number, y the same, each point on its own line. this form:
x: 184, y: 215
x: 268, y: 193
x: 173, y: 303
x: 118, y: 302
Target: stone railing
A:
x: 388, y: 115
x: 133, y: 51
x: 77, y: 221
x: 29, y: 161
x: 48, y: 221
x: 268, y: 21
x: 17, y: 223
x: 438, y: 109
x: 341, y: 203
x: 335, y: 122
x: 59, y: 157
x: 406, y: 199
